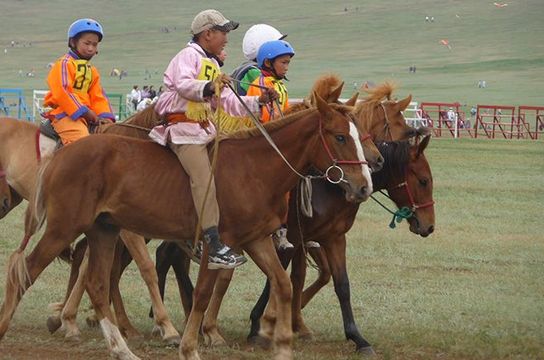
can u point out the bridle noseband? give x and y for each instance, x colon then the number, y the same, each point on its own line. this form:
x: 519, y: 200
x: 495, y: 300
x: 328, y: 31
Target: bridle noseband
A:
x: 335, y: 161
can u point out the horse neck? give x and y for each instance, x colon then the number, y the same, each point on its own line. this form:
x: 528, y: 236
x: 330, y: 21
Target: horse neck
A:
x: 297, y: 142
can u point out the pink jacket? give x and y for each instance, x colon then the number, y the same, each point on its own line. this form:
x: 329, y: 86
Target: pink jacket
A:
x: 182, y: 86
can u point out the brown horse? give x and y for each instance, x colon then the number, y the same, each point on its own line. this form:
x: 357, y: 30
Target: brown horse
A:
x: 118, y: 182
x: 384, y: 120
x: 18, y: 155
x: 380, y: 117
x: 5, y: 194
x: 328, y: 87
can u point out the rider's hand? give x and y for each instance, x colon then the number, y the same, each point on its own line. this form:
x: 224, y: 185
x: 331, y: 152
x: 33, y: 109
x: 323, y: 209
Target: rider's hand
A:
x: 221, y: 80
x: 90, y: 116
x: 268, y: 95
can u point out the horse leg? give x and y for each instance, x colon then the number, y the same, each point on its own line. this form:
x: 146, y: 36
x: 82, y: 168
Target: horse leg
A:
x: 137, y: 247
x: 188, y: 349
x: 162, y: 265
x: 22, y: 272
x: 209, y: 325
x: 121, y: 260
x: 259, y: 308
x: 320, y: 258
x: 262, y: 252
x: 181, y: 263
x: 54, y: 322
x: 69, y: 311
x: 102, y: 241
x: 336, y: 256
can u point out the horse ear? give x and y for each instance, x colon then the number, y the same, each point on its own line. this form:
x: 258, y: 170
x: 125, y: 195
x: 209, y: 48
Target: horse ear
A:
x: 423, y: 144
x: 352, y: 100
x: 335, y: 94
x: 403, y: 104
x: 324, y: 108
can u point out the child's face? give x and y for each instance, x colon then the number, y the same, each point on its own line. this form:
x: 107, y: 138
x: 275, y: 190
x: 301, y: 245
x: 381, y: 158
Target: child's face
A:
x: 216, y: 41
x: 281, y: 65
x: 87, y: 45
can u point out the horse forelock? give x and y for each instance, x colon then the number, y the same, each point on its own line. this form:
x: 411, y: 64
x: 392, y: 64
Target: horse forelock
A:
x: 396, y: 155
x: 325, y: 84
x: 377, y: 94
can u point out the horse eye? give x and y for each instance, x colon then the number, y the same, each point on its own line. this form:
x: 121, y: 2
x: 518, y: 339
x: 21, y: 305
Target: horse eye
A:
x: 341, y: 139
x: 423, y: 182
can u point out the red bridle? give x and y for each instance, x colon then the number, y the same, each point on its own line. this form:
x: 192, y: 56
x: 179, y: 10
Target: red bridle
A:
x: 335, y: 161
x: 413, y: 205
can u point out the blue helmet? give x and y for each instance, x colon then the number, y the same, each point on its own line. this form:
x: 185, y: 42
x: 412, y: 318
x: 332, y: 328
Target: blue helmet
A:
x: 272, y: 49
x: 85, y: 25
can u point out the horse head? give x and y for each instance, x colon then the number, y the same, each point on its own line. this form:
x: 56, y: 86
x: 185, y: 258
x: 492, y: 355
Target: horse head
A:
x: 382, y: 117
x: 5, y: 194
x: 343, y: 157
x: 410, y: 185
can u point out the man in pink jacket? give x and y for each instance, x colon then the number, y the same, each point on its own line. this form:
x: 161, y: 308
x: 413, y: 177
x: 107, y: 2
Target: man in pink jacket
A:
x: 188, y: 104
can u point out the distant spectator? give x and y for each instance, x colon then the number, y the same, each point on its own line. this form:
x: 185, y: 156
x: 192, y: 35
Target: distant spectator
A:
x: 143, y: 104
x: 451, y: 115
x: 144, y: 94
x: 161, y: 90
x: 152, y: 92
x: 135, y: 96
x: 473, y: 111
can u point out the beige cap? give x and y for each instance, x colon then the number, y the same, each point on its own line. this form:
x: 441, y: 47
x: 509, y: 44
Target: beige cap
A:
x: 210, y: 18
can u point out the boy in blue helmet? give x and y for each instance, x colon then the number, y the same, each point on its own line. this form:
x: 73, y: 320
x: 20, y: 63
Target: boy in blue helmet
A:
x: 75, y: 93
x: 273, y: 59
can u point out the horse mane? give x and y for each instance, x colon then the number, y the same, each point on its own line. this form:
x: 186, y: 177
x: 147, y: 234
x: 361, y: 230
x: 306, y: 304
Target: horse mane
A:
x: 396, y: 155
x: 148, y: 117
x: 324, y: 85
x: 270, y: 126
x: 378, y: 93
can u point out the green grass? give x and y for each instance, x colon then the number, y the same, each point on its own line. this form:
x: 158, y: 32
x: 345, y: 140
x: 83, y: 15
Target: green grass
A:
x: 378, y: 41
x: 472, y: 290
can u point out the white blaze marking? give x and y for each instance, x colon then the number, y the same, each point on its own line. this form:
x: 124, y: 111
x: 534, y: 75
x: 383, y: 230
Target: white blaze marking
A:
x: 364, y: 167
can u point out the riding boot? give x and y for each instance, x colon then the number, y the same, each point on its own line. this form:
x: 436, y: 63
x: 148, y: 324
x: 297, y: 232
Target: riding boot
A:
x: 220, y: 256
x: 280, y: 238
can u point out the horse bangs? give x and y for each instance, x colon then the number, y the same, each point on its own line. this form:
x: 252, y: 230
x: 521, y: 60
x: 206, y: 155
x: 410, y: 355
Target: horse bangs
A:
x: 396, y: 155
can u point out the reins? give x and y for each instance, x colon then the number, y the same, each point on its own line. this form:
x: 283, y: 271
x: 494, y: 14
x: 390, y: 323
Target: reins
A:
x: 404, y: 212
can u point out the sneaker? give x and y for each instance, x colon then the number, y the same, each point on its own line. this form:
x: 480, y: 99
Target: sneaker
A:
x: 224, y: 258
x: 280, y: 239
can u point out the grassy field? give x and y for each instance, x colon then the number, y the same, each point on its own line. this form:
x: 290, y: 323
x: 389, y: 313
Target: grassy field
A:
x: 472, y: 290
x: 371, y: 40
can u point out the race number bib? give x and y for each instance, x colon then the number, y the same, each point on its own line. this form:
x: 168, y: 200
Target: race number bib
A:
x: 82, y: 79
x: 208, y: 71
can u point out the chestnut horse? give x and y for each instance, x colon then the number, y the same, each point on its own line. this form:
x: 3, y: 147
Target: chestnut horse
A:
x: 118, y: 183
x: 19, y: 158
x: 328, y: 87
x: 5, y: 194
x: 383, y: 119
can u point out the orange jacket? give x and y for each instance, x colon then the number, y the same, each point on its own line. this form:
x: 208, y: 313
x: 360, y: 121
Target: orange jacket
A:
x: 270, y: 112
x: 74, y: 88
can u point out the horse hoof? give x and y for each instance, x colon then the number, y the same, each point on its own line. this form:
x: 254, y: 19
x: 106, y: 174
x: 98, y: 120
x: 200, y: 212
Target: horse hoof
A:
x: 73, y: 338
x: 308, y: 336
x: 260, y: 341
x: 53, y: 324
x: 173, y: 341
x: 157, y: 331
x: 92, y: 322
x: 366, y: 351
